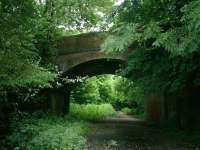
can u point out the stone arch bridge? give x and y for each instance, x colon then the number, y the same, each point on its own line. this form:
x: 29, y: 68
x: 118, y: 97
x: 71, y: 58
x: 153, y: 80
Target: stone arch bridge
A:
x: 81, y: 55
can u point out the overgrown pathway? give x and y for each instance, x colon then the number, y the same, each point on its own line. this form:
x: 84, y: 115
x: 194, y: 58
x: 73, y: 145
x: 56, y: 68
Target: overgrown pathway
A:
x: 127, y: 133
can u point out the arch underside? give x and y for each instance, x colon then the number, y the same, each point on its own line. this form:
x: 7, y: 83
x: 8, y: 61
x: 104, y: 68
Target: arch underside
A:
x: 95, y: 67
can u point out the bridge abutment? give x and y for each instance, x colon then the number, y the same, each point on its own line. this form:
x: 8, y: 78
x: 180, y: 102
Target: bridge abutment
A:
x: 60, y: 99
x: 155, y: 108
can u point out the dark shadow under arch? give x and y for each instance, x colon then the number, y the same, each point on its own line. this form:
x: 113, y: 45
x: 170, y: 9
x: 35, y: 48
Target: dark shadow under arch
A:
x: 95, y: 67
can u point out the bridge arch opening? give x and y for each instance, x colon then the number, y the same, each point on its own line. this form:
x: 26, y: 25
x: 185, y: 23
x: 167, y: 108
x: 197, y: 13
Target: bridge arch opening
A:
x: 107, y: 89
x: 61, y: 97
x: 94, y: 67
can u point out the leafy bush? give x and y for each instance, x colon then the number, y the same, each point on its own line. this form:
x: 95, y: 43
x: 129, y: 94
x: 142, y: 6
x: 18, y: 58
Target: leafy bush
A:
x: 92, y: 112
x: 129, y: 111
x: 48, y: 133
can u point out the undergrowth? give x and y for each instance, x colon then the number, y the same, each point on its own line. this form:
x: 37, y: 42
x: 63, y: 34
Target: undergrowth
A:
x: 92, y: 112
x: 47, y: 133
x: 189, y: 137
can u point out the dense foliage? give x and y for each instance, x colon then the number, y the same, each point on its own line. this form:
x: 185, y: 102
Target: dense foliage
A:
x: 164, y: 38
x: 19, y: 59
x: 116, y: 90
x: 42, y: 132
x: 28, y: 33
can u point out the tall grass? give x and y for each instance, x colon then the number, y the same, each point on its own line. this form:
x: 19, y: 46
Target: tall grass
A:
x: 92, y: 112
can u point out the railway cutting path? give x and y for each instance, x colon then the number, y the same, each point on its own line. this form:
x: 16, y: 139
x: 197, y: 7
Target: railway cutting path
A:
x: 124, y: 132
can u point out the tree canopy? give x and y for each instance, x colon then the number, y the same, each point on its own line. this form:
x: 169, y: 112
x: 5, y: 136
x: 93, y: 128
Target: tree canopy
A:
x: 164, y: 38
x: 28, y: 33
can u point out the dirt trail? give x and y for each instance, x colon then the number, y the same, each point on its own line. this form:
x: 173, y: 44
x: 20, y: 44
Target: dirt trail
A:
x: 127, y: 133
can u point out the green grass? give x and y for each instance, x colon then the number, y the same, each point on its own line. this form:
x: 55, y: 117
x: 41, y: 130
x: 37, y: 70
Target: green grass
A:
x: 133, y: 111
x: 92, y: 112
x: 48, y: 133
x: 128, y: 111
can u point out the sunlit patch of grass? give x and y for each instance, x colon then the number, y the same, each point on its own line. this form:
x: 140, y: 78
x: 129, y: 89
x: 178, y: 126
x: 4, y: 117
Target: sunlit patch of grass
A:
x: 128, y: 111
x: 92, y: 112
